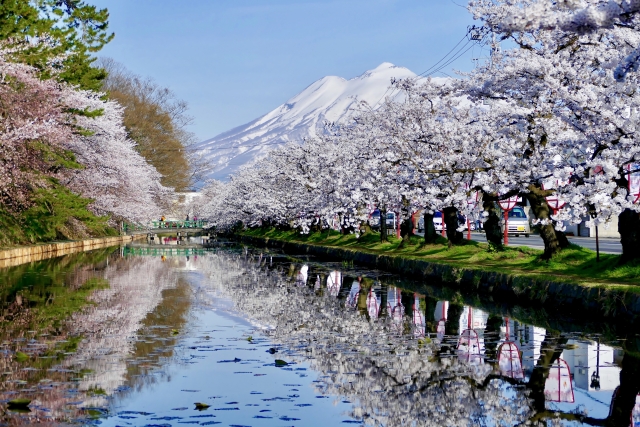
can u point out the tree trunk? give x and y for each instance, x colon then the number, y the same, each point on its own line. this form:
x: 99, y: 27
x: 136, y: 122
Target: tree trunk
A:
x: 453, y: 320
x: 406, y: 229
x: 451, y: 219
x: 383, y: 225
x: 316, y: 226
x: 625, y: 399
x: 492, y: 224
x: 629, y: 229
x: 384, y: 289
x: 407, y: 299
x: 365, y: 286
x: 554, y: 241
x: 430, y: 235
x: 550, y: 351
x: 493, y: 327
x: 365, y: 228
x: 431, y: 323
x: 406, y: 224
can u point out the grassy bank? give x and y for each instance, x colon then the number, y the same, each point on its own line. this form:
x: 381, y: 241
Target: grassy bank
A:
x: 573, y: 265
x: 54, y: 213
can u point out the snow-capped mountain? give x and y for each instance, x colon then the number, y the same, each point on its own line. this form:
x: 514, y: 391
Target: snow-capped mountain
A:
x: 329, y: 99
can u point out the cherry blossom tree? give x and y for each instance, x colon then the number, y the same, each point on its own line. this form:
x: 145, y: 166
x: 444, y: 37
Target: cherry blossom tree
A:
x: 51, y: 130
x: 32, y: 130
x: 114, y: 175
x: 565, y: 74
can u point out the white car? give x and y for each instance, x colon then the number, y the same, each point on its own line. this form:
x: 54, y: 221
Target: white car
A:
x: 391, y: 220
x: 518, y: 222
x: 437, y: 223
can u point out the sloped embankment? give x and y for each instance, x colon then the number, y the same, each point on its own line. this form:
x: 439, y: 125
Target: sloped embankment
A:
x: 570, y: 298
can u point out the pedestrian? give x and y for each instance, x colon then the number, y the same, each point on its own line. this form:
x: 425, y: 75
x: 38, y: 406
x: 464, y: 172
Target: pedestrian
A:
x: 187, y: 217
x: 162, y: 221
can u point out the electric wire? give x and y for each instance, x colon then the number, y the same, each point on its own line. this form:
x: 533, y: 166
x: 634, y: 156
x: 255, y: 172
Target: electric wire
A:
x: 455, y: 53
x: 434, y: 65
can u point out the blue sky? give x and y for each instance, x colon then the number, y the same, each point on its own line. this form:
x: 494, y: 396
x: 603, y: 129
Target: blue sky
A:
x: 235, y: 60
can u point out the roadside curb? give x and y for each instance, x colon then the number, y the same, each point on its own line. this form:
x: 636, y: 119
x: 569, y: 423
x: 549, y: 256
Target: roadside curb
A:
x: 581, y: 301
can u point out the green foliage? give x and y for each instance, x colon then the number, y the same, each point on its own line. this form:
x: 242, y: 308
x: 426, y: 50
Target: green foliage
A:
x: 86, y: 112
x: 48, y: 290
x: 21, y: 357
x: 54, y: 158
x: 72, y: 27
x: 54, y: 211
x: 62, y: 301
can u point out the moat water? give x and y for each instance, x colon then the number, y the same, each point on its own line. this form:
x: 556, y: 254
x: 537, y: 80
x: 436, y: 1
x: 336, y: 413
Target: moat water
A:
x: 241, y: 336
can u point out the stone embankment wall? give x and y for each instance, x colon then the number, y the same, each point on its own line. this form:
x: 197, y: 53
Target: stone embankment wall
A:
x: 575, y: 300
x: 23, y: 254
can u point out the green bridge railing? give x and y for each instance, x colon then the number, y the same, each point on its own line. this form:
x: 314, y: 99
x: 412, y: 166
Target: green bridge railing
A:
x: 179, y: 224
x: 127, y: 228
x: 159, y: 251
x: 169, y: 224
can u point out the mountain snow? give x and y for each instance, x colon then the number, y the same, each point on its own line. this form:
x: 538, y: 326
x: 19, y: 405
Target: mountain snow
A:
x: 329, y: 99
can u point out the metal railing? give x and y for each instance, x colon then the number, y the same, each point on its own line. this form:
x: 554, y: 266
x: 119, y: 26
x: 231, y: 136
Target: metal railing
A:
x: 128, y: 228
x: 172, y: 224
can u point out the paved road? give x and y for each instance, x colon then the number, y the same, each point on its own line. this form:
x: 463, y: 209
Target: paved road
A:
x: 608, y: 245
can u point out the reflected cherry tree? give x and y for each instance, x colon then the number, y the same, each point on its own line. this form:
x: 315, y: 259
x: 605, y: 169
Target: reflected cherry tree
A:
x: 401, y: 367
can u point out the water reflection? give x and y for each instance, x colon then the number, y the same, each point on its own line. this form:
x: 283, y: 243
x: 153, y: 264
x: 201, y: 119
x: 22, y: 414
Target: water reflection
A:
x: 388, y: 353
x: 533, y: 373
x: 334, y: 283
x: 509, y: 359
x: 373, y: 302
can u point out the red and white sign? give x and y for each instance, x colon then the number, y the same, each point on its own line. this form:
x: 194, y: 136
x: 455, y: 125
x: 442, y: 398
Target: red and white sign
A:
x: 508, y: 204
x: 473, y: 200
x: 554, y: 201
x: 559, y: 386
x: 634, y: 181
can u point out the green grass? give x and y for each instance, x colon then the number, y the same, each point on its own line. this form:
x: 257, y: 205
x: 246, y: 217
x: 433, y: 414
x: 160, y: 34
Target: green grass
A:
x: 54, y: 213
x: 573, y: 265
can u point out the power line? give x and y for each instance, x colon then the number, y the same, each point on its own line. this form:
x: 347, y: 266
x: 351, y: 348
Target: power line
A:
x: 474, y: 35
x: 434, y: 65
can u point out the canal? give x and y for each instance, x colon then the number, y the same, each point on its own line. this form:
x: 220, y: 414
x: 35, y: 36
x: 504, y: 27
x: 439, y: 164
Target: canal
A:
x: 240, y: 336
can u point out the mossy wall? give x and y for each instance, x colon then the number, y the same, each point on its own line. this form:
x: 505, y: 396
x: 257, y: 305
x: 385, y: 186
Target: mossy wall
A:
x: 577, y: 300
x: 23, y: 254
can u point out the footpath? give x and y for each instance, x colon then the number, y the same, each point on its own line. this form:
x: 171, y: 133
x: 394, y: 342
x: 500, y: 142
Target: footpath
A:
x: 512, y: 276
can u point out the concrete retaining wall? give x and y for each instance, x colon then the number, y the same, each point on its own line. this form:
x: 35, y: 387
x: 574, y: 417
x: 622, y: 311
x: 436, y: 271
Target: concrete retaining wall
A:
x: 564, y: 298
x: 23, y: 254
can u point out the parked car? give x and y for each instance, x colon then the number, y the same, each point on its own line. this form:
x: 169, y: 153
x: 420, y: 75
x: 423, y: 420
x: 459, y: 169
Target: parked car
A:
x: 374, y: 219
x: 437, y: 222
x: 391, y: 220
x: 518, y: 222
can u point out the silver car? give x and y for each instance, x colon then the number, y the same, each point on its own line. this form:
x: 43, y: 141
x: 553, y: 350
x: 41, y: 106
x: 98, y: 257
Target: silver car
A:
x: 518, y: 222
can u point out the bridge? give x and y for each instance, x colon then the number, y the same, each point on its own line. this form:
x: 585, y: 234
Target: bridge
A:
x: 159, y: 250
x: 164, y: 226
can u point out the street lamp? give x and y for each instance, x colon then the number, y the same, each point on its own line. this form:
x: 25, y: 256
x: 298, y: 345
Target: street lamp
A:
x: 594, y: 214
x: 595, y: 377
